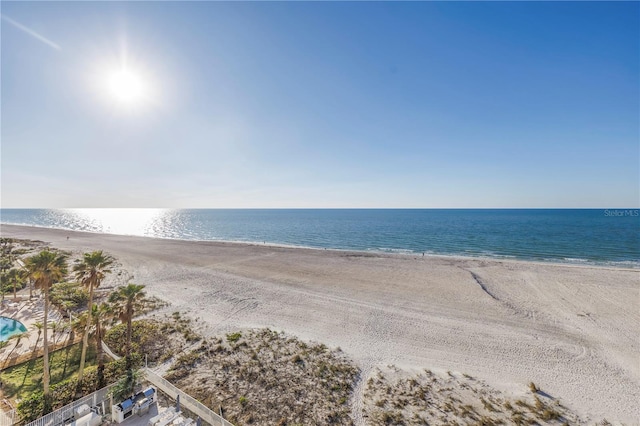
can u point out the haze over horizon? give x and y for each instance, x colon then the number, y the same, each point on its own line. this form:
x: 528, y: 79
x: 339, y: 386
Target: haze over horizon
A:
x: 320, y: 105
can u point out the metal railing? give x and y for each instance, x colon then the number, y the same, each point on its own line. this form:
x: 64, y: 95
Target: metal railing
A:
x: 65, y: 414
x: 193, y: 405
x: 108, y: 351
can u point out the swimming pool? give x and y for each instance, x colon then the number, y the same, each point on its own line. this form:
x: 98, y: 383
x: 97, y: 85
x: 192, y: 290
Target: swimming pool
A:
x: 10, y: 327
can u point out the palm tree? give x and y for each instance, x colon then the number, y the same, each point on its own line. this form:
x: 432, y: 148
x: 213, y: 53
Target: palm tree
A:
x: 76, y: 325
x: 126, y: 300
x: 17, y: 338
x: 23, y: 274
x: 6, y: 262
x: 46, y: 268
x: 15, y: 278
x: 26, y: 276
x: 57, y: 328
x: 38, y: 326
x: 101, y: 314
x: 90, y: 272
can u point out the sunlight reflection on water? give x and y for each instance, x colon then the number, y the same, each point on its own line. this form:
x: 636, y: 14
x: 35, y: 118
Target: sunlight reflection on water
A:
x: 568, y: 236
x: 117, y: 221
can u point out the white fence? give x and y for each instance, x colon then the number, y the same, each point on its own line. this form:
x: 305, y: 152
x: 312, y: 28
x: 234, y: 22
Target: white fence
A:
x: 7, y: 418
x: 64, y: 415
x: 190, y: 403
x: 108, y: 351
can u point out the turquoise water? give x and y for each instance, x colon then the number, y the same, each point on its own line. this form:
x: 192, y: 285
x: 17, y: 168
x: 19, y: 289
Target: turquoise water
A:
x: 598, y: 236
x: 10, y: 327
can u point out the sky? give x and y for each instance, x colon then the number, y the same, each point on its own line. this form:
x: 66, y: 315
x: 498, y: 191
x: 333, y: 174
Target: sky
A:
x: 320, y: 104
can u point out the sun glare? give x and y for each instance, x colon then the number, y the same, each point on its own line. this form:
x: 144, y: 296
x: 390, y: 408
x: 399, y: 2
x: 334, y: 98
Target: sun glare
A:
x: 120, y: 221
x: 126, y: 86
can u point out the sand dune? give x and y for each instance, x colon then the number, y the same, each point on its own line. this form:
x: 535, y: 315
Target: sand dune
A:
x: 573, y: 330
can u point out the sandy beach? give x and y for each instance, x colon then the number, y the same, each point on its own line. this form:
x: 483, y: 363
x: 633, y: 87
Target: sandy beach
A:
x: 573, y: 330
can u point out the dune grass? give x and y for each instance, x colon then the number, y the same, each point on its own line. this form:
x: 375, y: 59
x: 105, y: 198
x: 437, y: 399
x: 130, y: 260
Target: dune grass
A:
x: 22, y: 380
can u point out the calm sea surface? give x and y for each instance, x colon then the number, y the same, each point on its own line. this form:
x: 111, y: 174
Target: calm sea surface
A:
x: 573, y: 236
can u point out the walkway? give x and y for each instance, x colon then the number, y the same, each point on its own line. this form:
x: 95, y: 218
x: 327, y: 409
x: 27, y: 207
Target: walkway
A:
x: 190, y: 403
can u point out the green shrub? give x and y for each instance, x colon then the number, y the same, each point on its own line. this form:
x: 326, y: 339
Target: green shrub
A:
x: 69, y: 296
x: 31, y: 407
x: 64, y: 393
x: 234, y: 337
x: 146, y: 338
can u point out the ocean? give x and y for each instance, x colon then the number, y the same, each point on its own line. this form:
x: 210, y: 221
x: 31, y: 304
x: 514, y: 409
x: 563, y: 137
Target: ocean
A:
x: 577, y: 236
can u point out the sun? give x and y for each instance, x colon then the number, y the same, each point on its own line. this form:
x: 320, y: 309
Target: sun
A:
x: 126, y: 86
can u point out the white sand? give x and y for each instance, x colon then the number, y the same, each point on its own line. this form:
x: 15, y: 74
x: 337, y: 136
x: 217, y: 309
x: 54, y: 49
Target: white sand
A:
x: 573, y: 330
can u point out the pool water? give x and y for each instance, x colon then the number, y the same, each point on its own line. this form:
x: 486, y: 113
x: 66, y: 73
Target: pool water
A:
x: 10, y: 327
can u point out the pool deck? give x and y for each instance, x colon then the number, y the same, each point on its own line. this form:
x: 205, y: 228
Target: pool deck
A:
x: 10, y: 327
x: 28, y: 312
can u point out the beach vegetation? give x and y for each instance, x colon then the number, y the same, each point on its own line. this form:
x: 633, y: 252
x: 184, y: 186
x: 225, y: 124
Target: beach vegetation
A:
x: 488, y: 405
x: 391, y: 418
x: 64, y: 392
x: 23, y: 379
x: 100, y: 316
x: 46, y: 269
x: 7, y: 254
x: 13, y: 280
x: 233, y: 337
x: 148, y: 338
x: 124, y: 387
x: 126, y: 301
x: 90, y: 271
x: 275, y: 374
x: 190, y: 336
x: 434, y: 398
x: 68, y: 296
x: 549, y: 413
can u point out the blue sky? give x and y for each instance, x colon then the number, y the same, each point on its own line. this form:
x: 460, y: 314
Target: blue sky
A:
x: 496, y: 104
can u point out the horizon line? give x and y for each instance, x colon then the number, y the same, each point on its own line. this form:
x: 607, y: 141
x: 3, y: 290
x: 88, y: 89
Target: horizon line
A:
x: 327, y: 208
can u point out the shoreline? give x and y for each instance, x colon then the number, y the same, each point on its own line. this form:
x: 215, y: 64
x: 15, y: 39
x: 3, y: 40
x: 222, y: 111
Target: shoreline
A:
x: 570, y: 329
x: 579, y: 263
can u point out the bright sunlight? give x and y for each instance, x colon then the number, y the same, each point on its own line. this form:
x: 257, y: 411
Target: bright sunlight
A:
x: 126, y: 86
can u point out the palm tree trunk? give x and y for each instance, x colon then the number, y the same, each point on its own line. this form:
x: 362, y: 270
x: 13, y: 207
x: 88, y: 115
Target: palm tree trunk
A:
x: 100, y: 356
x: 18, y: 337
x: 35, y: 348
x: 85, y: 338
x: 45, y: 359
x: 56, y: 334
x: 129, y: 318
